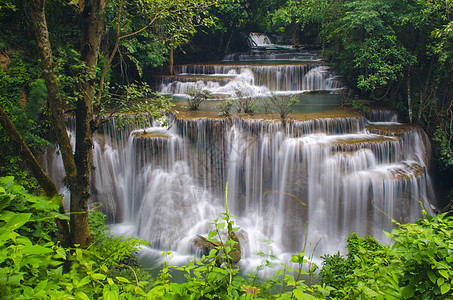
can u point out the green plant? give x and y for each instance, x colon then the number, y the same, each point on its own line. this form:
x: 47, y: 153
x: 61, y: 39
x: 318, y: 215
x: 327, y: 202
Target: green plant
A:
x: 244, y: 104
x: 422, y: 252
x: 197, y: 97
x: 417, y: 266
x: 444, y: 138
x: 283, y: 105
x: 225, y: 107
x: 136, y: 103
x: 34, y: 266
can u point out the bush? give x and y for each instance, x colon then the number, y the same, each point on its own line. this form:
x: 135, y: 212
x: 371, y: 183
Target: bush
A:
x: 417, y: 266
x: 34, y: 266
x: 197, y: 97
x: 283, y: 105
x: 224, y: 108
x: 245, y: 104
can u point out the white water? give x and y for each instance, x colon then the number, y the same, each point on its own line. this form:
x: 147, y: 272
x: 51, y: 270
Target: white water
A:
x: 317, y: 180
x: 259, y: 40
x: 255, y: 74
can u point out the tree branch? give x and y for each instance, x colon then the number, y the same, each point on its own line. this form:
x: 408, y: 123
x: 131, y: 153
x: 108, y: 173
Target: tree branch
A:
x: 44, y: 181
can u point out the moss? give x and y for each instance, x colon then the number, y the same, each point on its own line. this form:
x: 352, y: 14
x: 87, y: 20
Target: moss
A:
x: 358, y: 141
x: 149, y: 135
x: 208, y: 109
x: 409, y: 171
x: 393, y: 130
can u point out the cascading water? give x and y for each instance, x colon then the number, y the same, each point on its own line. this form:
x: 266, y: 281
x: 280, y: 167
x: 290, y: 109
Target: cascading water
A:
x: 256, y: 74
x: 316, y: 180
x: 323, y: 178
x: 256, y: 39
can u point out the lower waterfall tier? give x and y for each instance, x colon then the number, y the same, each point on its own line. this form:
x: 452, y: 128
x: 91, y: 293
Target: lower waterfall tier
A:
x: 317, y: 180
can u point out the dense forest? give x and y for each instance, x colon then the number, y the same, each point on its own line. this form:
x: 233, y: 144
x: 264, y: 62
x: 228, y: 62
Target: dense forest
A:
x: 93, y: 58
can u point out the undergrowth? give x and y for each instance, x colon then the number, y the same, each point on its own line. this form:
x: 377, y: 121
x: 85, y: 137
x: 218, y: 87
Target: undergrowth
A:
x: 418, y: 265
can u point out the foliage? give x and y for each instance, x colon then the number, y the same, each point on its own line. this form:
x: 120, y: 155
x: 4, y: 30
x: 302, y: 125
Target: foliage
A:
x: 137, y: 103
x: 416, y: 266
x: 225, y: 107
x: 244, y: 104
x: 216, y: 277
x: 283, y: 105
x: 295, y: 14
x: 422, y: 251
x: 22, y: 97
x: 196, y: 97
x: 33, y: 265
x: 444, y: 138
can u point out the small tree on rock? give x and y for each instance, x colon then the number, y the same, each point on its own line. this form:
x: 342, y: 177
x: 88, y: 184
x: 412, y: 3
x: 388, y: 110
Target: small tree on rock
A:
x: 283, y: 105
x: 197, y: 97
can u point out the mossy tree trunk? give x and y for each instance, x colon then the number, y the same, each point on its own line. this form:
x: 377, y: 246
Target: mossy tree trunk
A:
x: 77, y: 166
x: 44, y: 181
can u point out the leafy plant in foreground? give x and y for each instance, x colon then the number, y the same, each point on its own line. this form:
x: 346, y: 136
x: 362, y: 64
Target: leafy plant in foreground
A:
x: 34, y: 266
x: 417, y: 266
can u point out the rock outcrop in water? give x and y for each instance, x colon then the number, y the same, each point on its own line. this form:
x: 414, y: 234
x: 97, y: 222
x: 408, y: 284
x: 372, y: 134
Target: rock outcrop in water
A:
x: 204, y: 246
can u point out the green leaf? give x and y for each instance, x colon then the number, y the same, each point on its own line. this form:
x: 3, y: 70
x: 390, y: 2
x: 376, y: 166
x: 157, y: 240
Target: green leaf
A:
x: 40, y: 286
x: 85, y: 280
x: 440, y: 281
x: 82, y: 296
x: 445, y: 288
x: 122, y: 279
x: 36, y: 249
x: 450, y: 258
x: 407, y: 292
x: 444, y: 273
x: 16, y: 221
x: 298, y: 294
x: 61, y: 253
x: 432, y: 276
x: 98, y: 276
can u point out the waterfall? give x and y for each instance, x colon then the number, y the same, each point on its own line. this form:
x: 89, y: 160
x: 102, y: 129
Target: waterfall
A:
x: 256, y: 39
x: 258, y: 73
x: 318, y: 180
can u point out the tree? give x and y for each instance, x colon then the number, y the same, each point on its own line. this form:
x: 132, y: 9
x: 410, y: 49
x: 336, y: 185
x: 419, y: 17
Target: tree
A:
x: 90, y: 88
x: 295, y: 14
x: 77, y: 166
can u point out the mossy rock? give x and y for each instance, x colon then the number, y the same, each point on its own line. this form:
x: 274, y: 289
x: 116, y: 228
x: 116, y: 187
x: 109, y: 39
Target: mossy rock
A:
x: 205, y: 246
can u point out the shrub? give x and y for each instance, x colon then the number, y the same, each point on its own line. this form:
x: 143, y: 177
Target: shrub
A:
x: 34, y: 266
x: 197, y: 97
x: 417, y: 266
x: 283, y: 105
x: 245, y: 104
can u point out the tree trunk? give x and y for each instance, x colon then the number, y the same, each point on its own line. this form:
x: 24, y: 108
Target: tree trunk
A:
x: 171, y: 60
x: 228, y: 43
x: 54, y: 101
x: 77, y: 167
x: 58, y: 128
x: 44, y: 181
x: 409, y: 96
x: 92, y: 25
x: 295, y: 34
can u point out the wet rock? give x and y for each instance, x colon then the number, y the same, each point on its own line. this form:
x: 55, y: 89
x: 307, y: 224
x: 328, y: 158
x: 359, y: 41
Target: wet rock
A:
x: 204, y: 246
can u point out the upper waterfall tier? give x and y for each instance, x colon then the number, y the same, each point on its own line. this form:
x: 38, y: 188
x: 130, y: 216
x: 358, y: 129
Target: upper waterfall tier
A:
x: 257, y: 73
x: 274, y: 56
